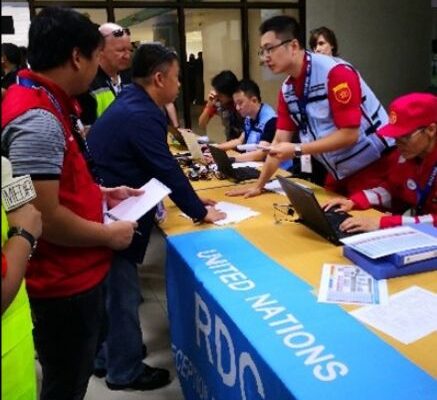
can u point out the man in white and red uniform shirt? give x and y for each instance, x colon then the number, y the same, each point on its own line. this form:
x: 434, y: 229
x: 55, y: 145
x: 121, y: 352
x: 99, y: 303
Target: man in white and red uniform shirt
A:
x: 327, y: 103
x: 412, y: 182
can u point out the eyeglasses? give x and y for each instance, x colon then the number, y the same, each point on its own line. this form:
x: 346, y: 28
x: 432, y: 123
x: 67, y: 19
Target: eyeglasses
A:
x: 283, y: 212
x: 403, y: 140
x: 266, y: 51
x: 119, y: 32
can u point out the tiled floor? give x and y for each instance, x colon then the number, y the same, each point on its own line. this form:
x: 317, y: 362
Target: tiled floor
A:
x: 153, y: 313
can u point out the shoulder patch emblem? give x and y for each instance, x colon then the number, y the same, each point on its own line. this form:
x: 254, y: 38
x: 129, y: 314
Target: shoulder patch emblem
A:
x: 411, y: 184
x: 342, y: 93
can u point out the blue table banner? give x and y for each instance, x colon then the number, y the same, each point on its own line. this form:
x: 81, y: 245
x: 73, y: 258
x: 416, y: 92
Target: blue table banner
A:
x: 243, y: 327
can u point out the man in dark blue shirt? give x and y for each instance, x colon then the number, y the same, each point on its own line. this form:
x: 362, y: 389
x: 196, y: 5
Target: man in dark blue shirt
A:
x: 129, y: 145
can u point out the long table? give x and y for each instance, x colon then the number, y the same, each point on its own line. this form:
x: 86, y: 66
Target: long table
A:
x: 195, y: 292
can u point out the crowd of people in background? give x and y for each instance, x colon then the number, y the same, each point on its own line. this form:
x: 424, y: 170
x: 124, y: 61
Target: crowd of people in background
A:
x: 88, y: 122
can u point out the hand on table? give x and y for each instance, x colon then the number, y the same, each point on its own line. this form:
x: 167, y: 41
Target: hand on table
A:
x: 247, y: 192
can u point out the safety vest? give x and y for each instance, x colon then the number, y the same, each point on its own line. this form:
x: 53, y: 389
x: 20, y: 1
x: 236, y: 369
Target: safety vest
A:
x: 314, y: 118
x: 17, y: 343
x: 59, y: 271
x: 103, y: 91
x: 254, y: 129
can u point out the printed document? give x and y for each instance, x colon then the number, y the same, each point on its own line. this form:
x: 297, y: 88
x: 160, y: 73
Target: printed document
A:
x: 408, y: 316
x: 349, y: 284
x: 133, y: 208
x: 389, y: 241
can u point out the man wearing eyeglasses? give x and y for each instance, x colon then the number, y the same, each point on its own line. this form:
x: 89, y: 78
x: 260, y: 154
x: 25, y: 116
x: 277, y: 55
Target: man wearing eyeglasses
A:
x: 328, y: 104
x: 412, y: 182
x: 114, y: 61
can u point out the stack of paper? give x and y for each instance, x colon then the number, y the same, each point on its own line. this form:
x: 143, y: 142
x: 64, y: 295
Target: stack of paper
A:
x: 389, y: 241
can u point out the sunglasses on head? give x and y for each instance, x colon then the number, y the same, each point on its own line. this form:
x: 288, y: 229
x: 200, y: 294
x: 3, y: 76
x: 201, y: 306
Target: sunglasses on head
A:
x: 119, y: 32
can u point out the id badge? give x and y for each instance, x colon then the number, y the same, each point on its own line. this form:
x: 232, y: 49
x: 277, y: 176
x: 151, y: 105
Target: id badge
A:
x: 305, y: 164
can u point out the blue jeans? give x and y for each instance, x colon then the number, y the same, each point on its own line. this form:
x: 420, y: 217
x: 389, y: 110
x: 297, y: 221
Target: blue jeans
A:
x: 121, y: 352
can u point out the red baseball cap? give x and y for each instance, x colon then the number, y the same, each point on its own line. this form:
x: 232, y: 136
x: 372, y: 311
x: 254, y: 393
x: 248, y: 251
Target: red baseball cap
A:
x: 409, y: 113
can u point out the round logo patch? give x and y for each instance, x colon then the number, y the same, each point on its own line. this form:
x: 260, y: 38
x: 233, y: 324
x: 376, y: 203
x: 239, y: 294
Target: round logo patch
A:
x: 411, y: 184
x: 393, y: 117
x: 342, y: 93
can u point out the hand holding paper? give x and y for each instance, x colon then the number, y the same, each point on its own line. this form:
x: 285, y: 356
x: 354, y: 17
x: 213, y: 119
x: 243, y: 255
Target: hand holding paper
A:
x: 133, y: 208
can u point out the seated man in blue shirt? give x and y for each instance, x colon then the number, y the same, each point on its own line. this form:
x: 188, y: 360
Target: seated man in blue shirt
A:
x: 129, y: 144
x: 259, y: 122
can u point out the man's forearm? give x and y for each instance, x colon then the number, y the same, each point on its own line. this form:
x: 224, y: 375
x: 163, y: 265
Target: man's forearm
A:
x: 62, y: 227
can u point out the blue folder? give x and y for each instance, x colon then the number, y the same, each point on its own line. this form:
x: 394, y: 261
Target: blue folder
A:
x: 388, y: 267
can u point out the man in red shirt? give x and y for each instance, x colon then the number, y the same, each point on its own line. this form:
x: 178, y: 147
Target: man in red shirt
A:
x: 329, y: 105
x: 412, y: 182
x: 41, y: 136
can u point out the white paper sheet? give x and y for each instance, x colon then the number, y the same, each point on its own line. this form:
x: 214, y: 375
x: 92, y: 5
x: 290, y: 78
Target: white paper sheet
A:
x: 234, y: 213
x: 276, y: 187
x: 133, y: 208
x: 408, y: 316
x: 389, y: 241
x: 349, y: 284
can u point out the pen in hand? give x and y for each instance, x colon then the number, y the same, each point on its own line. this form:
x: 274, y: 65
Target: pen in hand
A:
x: 114, y: 218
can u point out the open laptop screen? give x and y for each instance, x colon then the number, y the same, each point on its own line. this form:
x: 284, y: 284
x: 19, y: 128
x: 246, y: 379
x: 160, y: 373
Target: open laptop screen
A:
x: 308, y: 209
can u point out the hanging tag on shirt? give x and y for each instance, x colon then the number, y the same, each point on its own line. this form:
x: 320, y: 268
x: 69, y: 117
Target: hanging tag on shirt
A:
x: 305, y: 163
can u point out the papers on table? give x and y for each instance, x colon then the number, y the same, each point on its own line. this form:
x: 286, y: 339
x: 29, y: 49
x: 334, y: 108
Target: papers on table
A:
x: 275, y: 186
x: 349, y: 284
x: 234, y: 213
x: 253, y: 164
x: 389, y: 241
x: 133, y: 208
x: 408, y: 316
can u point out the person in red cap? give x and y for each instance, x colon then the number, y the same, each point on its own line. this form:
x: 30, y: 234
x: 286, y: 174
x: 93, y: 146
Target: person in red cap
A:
x: 410, y: 191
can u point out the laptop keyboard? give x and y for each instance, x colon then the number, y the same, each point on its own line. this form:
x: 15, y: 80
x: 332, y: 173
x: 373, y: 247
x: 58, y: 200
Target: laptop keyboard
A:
x: 246, y: 173
x: 335, y: 219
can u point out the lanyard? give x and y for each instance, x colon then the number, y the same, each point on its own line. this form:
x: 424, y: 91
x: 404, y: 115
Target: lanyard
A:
x: 28, y: 83
x: 83, y: 146
x: 422, y: 194
x: 302, y: 102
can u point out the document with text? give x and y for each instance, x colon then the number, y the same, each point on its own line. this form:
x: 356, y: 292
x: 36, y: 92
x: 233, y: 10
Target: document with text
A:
x: 133, y: 208
x: 389, y: 241
x: 408, y: 316
x: 349, y: 284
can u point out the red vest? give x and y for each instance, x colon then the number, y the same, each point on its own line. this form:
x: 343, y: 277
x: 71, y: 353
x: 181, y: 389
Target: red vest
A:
x: 58, y: 271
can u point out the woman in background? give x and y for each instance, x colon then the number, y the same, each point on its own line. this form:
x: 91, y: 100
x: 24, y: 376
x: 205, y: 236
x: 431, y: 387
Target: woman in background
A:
x: 323, y: 41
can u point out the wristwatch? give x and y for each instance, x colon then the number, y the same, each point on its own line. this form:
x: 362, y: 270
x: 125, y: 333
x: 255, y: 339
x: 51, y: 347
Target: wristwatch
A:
x: 298, y: 150
x: 19, y: 231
